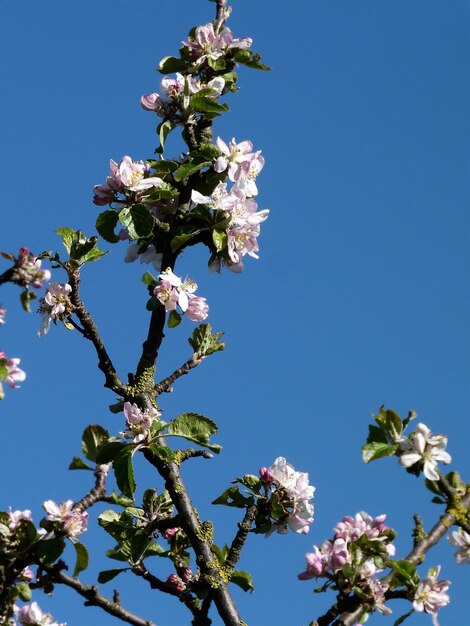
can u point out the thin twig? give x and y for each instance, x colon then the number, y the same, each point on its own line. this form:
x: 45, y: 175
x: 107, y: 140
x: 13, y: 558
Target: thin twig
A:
x: 240, y: 538
x: 94, y: 598
x: 112, y: 380
x: 98, y: 493
x: 166, y: 384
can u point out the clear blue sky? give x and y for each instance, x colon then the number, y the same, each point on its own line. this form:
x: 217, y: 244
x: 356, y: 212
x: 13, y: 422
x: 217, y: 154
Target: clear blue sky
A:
x: 360, y: 297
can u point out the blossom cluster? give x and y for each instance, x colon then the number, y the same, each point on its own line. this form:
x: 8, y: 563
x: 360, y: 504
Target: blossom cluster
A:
x: 128, y: 181
x: 32, y: 615
x: 27, y: 270
x: 138, y: 422
x: 292, y: 492
x: 171, y: 100
x: 171, y: 292
x: 353, y: 557
x: 421, y: 451
x: 10, y: 372
x: 242, y: 166
x: 431, y: 594
x: 55, y: 305
x: 69, y: 518
x: 461, y: 539
x: 206, y: 43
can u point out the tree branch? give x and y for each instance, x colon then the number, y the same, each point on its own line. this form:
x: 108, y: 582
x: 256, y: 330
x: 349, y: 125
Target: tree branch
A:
x: 240, y: 538
x: 165, y: 384
x: 94, y: 598
x: 98, y: 493
x: 105, y: 364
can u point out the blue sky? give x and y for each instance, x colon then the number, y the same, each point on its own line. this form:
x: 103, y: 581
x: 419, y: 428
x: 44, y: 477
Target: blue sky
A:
x: 359, y: 298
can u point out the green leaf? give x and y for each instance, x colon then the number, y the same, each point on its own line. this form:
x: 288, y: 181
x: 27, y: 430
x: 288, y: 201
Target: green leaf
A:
x: 219, y: 237
x: 251, y: 481
x: 169, y: 65
x: 220, y: 553
x: 68, y: 236
x: 148, y: 279
x: 138, y: 220
x: 24, y: 591
x: 243, y: 580
x: 433, y: 486
x: 79, y: 464
x: 250, y: 59
x: 50, y: 550
x: 3, y: 371
x: 183, y: 235
x: 25, y: 298
x: 162, y: 452
x: 163, y: 130
x: 108, y: 574
x: 205, y: 104
x: 121, y: 500
x: 374, y: 451
x: 194, y: 427
x: 404, y: 574
x: 124, y: 472
x: 192, y: 166
x: 204, y: 341
x: 210, y: 151
x: 82, y: 559
x: 94, y: 437
x: 174, y: 319
x: 108, y: 452
x: 94, y: 255
x: 233, y: 497
x: 376, y: 435
x: 105, y: 225
x: 139, y: 544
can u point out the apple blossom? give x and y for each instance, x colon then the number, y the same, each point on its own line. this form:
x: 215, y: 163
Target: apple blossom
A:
x: 294, y: 493
x: 138, y: 422
x: 150, y: 255
x: 431, y: 594
x: 3, y: 313
x: 27, y: 270
x: 235, y: 157
x: 171, y: 292
x: 72, y: 520
x: 55, y: 305
x: 32, y: 615
x: 17, y: 516
x: 208, y: 44
x: 14, y: 374
x: 128, y: 178
x: 461, y: 539
x: 424, y: 451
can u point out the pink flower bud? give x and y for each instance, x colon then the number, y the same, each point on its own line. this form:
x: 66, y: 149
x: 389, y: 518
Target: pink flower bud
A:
x: 175, y: 582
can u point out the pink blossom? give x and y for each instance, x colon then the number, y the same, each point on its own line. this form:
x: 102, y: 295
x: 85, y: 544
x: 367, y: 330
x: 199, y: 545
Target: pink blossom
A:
x: 31, y: 614
x: 235, y: 157
x: 431, y: 594
x: 55, y: 305
x: 378, y: 590
x: 197, y: 309
x: 171, y: 292
x: 14, y: 373
x: 127, y: 178
x: 295, y: 492
x: 73, y: 521
x: 314, y: 565
x: 150, y: 255
x: 17, y: 516
x: 175, y: 582
x: 139, y: 422
x: 169, y: 533
x: 151, y: 102
x: 420, y: 448
x: 27, y: 270
x: 208, y: 44
x: 461, y: 540
x: 3, y: 313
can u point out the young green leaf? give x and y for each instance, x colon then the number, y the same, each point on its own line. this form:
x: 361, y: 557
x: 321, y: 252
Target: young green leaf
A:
x: 82, y: 559
x: 124, y: 471
x: 105, y: 225
x: 194, y: 427
x: 94, y: 437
